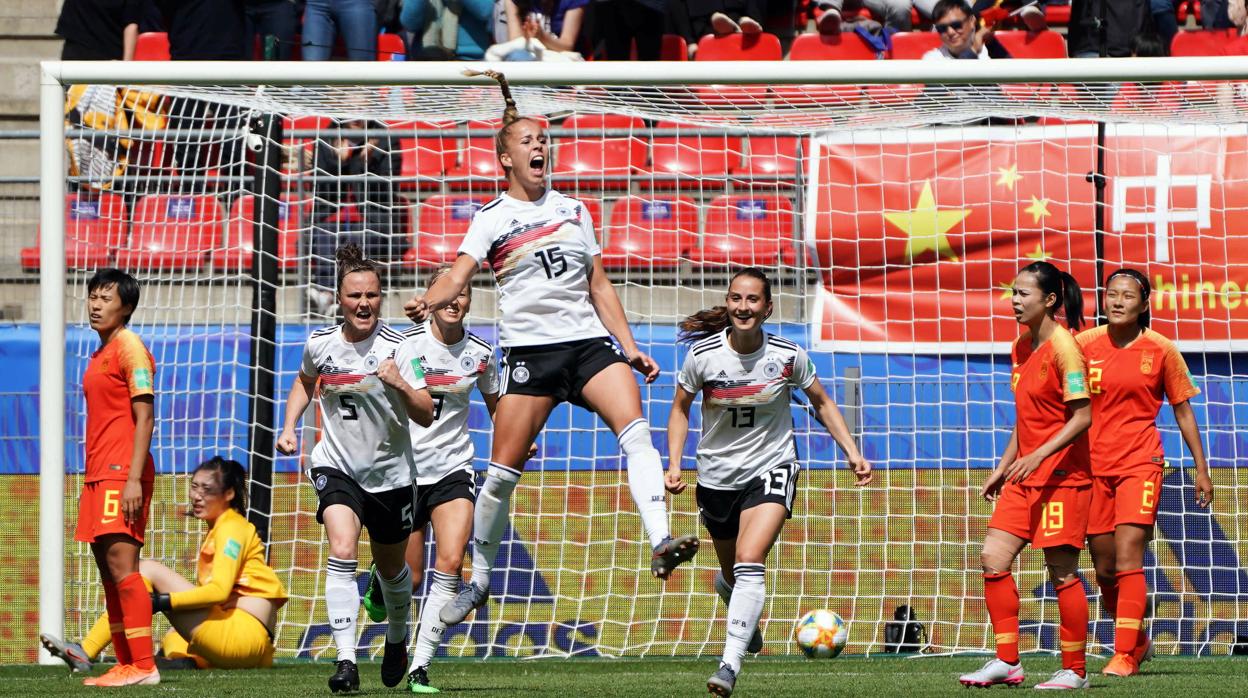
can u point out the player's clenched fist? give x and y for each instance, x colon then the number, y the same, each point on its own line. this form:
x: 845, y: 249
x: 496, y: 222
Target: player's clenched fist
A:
x: 388, y: 373
x: 287, y: 443
x: 416, y: 309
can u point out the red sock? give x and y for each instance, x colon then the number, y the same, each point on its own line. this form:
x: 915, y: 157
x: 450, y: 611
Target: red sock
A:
x: 112, y: 603
x: 1130, y: 610
x: 1001, y: 595
x: 136, y: 606
x: 1072, y: 606
x: 1109, y: 596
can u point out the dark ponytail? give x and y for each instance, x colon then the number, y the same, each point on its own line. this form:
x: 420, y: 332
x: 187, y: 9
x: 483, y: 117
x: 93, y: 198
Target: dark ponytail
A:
x: 350, y: 258
x: 1052, y: 280
x: 511, y: 114
x: 232, y: 476
x: 1146, y: 290
x: 705, y: 323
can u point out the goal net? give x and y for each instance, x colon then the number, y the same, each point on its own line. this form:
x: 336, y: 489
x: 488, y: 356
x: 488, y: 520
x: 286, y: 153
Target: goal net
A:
x: 891, y: 209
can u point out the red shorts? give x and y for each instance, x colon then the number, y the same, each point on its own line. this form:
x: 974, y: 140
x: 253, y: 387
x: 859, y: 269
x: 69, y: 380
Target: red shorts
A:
x: 99, y: 511
x: 1124, y: 499
x: 1045, y: 516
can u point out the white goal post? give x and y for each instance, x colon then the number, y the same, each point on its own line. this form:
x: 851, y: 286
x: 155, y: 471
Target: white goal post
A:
x: 843, y: 536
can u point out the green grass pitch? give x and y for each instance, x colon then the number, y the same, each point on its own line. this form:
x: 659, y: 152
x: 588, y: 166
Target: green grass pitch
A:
x: 651, y: 678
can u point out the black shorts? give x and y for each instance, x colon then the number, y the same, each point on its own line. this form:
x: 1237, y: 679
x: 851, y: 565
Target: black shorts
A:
x: 721, y: 509
x: 457, y: 485
x: 558, y: 370
x: 387, y: 515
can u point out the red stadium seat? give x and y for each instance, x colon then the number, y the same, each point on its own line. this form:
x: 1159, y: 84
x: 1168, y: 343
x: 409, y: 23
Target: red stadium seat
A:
x: 1057, y: 14
x: 1186, y: 8
x: 771, y: 155
x: 426, y: 157
x: 237, y: 253
x: 692, y: 156
x: 152, y: 46
x: 594, y: 159
x: 1024, y: 44
x: 841, y: 46
x: 736, y: 47
x: 912, y: 45
x: 674, y: 48
x: 172, y: 232
x: 95, y: 227
x: 650, y: 232
x: 748, y: 230
x: 439, y: 224
x: 390, y: 47
x: 1202, y: 43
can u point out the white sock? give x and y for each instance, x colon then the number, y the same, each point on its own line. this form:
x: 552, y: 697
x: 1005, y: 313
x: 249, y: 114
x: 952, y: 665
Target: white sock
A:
x: 490, y: 519
x: 645, y: 479
x: 397, y: 594
x: 342, y: 603
x: 744, y: 610
x: 441, y: 591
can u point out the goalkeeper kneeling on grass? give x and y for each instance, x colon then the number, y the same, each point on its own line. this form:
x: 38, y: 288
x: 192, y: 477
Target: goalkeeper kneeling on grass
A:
x: 227, y: 621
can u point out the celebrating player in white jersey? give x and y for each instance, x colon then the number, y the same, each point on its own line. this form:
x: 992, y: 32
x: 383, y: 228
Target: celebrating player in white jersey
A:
x: 747, y: 461
x: 454, y: 361
x: 372, y: 386
x: 558, y: 314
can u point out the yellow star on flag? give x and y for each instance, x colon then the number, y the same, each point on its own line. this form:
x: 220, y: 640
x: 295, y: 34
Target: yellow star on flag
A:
x: 1007, y: 289
x: 926, y: 225
x: 1038, y: 209
x: 1038, y: 253
x: 1009, y: 176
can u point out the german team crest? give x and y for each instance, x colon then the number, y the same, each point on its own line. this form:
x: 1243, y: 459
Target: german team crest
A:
x: 772, y: 368
x: 321, y: 481
x: 370, y: 363
x: 1146, y: 363
x: 467, y: 363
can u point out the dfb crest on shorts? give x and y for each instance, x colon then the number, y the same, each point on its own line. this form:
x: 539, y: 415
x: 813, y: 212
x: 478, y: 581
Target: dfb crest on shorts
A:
x: 520, y: 374
x: 772, y: 368
x: 370, y: 363
x: 321, y: 481
x: 467, y: 363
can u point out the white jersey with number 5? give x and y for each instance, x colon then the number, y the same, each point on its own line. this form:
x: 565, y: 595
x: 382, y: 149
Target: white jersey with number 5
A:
x: 451, y: 371
x: 747, y: 427
x: 364, y: 433
x: 541, y: 253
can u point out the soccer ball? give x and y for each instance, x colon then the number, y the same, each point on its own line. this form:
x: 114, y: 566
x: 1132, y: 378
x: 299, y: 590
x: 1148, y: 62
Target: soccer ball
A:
x: 821, y: 634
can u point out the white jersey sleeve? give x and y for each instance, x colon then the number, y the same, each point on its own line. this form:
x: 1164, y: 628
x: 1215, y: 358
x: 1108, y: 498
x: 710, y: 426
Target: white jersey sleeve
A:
x: 407, y: 358
x: 480, y: 236
x: 690, y: 376
x: 747, y: 422
x: 308, y: 365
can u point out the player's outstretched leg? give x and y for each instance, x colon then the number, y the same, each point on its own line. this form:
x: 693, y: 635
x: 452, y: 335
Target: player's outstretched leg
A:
x: 489, y: 520
x: 670, y: 553
x: 374, y: 604
x: 725, y: 592
x: 722, y: 681
x: 69, y: 652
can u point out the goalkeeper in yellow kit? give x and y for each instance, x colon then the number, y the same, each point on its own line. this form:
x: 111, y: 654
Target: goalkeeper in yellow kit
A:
x: 227, y: 621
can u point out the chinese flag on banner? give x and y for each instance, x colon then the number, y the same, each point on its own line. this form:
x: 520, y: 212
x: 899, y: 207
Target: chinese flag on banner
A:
x: 1178, y: 200
x: 918, y: 235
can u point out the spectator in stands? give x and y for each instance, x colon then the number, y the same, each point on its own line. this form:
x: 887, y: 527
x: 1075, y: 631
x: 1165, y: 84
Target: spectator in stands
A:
x: 620, y: 23
x: 359, y: 207
x: 555, y: 23
x: 892, y: 13
x: 354, y: 20
x: 276, y: 18
x: 445, y: 34
x: 206, y: 30
x: 962, y: 35
x: 694, y: 19
x: 1107, y: 30
x: 1148, y: 45
x: 103, y: 30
